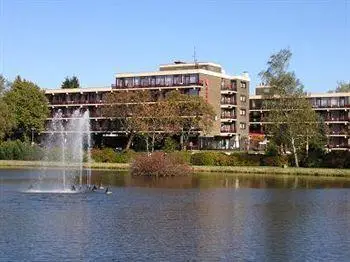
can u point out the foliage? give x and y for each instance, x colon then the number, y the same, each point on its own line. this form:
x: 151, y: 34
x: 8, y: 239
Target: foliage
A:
x: 70, y: 83
x: 292, y: 121
x: 182, y: 157
x: 190, y: 114
x: 127, y: 109
x: 158, y: 164
x: 29, y: 105
x: 342, y: 87
x: 108, y: 155
x: 4, y: 84
x: 17, y: 150
x: 170, y: 145
x: 337, y: 159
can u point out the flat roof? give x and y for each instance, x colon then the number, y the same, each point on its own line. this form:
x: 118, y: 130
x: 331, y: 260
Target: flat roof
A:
x: 182, y: 64
x: 77, y: 90
x: 183, y: 71
x: 313, y: 95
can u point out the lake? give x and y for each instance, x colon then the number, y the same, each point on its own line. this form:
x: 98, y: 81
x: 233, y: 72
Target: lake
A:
x: 198, y: 218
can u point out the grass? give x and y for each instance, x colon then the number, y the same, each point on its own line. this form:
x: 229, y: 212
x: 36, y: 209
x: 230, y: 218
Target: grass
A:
x: 329, y: 172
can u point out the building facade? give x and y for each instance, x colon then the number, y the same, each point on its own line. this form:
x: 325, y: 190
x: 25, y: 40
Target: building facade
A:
x: 228, y: 95
x: 332, y: 107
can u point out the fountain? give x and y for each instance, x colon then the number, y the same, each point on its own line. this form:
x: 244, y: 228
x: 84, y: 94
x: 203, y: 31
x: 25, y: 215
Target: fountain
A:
x: 67, y: 142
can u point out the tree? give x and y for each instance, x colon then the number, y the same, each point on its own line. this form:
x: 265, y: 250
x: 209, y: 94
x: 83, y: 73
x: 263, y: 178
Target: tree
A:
x: 29, y: 106
x: 343, y: 87
x: 127, y: 109
x: 292, y: 122
x: 6, y: 116
x: 190, y: 114
x: 70, y: 83
x: 4, y: 84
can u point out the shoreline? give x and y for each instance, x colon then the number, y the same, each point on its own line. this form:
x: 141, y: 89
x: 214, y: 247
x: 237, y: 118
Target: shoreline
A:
x: 263, y: 170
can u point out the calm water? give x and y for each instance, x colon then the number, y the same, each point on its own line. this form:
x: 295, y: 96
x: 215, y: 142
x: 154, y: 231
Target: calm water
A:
x: 200, y: 218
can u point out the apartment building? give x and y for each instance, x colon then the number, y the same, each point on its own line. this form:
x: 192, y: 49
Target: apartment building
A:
x: 332, y: 107
x: 229, y: 96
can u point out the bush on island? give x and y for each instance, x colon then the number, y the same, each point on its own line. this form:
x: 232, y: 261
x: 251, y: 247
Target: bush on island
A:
x: 158, y: 164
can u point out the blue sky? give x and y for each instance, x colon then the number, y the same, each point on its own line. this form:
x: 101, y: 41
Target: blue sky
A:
x: 44, y: 41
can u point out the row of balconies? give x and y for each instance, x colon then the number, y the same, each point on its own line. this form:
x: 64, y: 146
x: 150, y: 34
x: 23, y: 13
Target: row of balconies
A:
x: 150, y: 85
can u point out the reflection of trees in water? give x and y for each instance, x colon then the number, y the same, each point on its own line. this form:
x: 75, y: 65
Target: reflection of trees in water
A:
x: 214, y: 180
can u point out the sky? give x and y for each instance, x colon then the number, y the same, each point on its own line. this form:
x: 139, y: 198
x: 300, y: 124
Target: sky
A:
x: 46, y: 40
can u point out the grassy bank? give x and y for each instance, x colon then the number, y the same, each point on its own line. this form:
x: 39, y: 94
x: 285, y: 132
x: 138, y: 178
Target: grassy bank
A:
x: 217, y: 169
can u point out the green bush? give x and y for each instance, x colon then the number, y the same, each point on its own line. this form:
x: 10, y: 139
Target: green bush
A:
x: 17, y: 150
x: 183, y: 157
x: 274, y: 161
x: 170, y: 145
x: 108, y: 155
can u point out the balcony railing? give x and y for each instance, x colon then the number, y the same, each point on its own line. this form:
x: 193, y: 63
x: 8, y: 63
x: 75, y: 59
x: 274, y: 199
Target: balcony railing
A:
x: 228, y: 102
x: 150, y: 85
x: 228, y: 130
x: 341, y: 118
x: 228, y: 115
x: 229, y: 88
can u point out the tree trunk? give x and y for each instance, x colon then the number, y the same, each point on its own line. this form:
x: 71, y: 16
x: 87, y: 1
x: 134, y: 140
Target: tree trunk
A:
x: 307, y: 146
x: 182, y: 141
x: 153, y: 141
x: 131, y: 137
x: 147, y: 144
x: 295, y: 153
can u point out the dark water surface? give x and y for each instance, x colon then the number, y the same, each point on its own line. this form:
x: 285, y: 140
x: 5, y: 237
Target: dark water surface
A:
x: 199, y: 218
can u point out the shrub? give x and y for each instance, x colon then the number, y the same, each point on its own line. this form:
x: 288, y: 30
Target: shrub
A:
x: 17, y: 150
x: 182, y: 157
x: 170, y: 145
x: 274, y: 161
x: 203, y: 159
x: 337, y: 159
x: 158, y: 164
x: 108, y: 155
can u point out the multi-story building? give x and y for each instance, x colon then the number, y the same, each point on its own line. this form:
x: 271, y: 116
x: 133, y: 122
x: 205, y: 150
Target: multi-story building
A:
x: 229, y: 96
x: 332, y: 107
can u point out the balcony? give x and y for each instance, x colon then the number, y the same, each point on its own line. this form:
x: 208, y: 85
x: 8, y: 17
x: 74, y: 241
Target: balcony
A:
x: 337, y: 119
x: 227, y: 129
x: 228, y: 115
x: 228, y: 101
x: 229, y: 88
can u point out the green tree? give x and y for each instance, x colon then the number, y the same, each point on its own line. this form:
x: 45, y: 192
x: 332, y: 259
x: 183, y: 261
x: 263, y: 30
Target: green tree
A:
x: 29, y: 105
x: 6, y: 115
x: 126, y: 109
x: 4, y: 84
x: 70, y: 83
x: 343, y: 87
x: 292, y: 123
x: 189, y: 114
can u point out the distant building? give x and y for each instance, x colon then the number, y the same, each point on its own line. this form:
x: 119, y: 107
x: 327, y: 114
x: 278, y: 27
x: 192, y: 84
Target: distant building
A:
x: 332, y: 107
x: 229, y: 96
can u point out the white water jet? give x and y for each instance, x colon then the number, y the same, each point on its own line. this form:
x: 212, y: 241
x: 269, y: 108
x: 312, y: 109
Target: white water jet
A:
x: 67, y: 141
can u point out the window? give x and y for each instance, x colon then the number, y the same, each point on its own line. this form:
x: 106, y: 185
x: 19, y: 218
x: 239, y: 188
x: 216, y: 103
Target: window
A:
x: 193, y: 92
x: 160, y: 80
x: 243, y: 85
x: 243, y: 98
x: 136, y: 81
x: 242, y: 125
x: 242, y: 112
x: 129, y: 82
x: 145, y: 81
x: 193, y: 79
x: 168, y: 80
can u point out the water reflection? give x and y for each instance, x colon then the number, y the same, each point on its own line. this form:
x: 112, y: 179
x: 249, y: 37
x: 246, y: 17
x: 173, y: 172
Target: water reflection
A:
x: 213, y: 180
x: 205, y: 217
